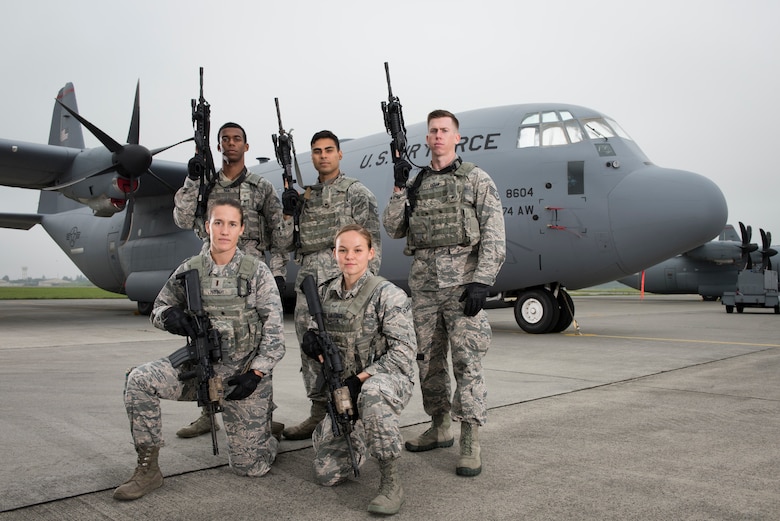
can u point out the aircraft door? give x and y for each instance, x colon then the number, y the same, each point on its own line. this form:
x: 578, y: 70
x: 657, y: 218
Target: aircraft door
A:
x: 670, y: 278
x: 113, y: 256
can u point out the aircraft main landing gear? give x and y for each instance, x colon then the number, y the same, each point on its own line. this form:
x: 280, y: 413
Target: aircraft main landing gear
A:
x: 538, y: 311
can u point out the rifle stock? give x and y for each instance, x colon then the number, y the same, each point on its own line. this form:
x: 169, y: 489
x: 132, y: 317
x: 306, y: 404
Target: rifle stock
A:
x: 339, y: 401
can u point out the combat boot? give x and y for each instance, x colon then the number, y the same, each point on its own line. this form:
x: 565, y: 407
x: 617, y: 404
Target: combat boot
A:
x: 200, y: 426
x: 276, y: 430
x: 437, y: 436
x: 304, y: 430
x: 470, y: 462
x: 147, y: 476
x: 391, y: 493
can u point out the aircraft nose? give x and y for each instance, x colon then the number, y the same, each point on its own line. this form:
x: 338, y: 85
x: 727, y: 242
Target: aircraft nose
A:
x: 656, y: 213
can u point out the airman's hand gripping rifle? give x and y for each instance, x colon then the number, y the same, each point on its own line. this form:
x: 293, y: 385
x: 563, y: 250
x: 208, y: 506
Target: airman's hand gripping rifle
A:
x: 339, y: 401
x: 394, y: 124
x: 285, y: 155
x: 201, y: 351
x: 201, y: 122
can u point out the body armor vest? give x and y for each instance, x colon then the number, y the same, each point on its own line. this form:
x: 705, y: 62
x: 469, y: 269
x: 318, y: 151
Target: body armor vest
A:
x: 224, y: 299
x: 345, y: 327
x: 443, y: 214
x: 324, y: 213
x: 256, y: 225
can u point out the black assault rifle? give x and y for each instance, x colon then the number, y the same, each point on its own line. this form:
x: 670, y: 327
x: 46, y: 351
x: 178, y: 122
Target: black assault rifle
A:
x: 201, y: 352
x: 285, y: 152
x: 394, y: 121
x: 201, y: 122
x: 339, y: 401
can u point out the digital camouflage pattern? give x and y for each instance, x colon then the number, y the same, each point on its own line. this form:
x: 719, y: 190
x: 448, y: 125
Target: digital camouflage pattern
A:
x: 251, y: 446
x: 437, y: 279
x: 262, y: 216
x: 359, y: 207
x: 384, y: 394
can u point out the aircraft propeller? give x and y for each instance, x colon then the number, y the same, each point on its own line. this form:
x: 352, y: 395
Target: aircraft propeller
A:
x: 747, y: 247
x: 130, y: 161
x: 766, y: 251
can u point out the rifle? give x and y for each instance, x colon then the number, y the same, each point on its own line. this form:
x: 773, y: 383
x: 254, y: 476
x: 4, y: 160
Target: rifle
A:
x: 201, y: 122
x: 394, y: 121
x: 202, y: 351
x: 285, y: 152
x: 339, y: 401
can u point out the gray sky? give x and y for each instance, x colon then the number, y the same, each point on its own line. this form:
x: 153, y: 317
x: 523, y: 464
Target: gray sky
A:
x: 694, y: 82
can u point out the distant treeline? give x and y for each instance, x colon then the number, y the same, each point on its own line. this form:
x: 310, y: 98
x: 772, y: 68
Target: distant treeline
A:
x: 64, y: 292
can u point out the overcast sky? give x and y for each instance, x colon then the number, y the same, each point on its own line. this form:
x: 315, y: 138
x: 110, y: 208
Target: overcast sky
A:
x: 694, y: 82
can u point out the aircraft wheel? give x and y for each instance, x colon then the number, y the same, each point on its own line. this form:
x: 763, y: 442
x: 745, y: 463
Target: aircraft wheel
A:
x: 777, y: 310
x: 145, y: 308
x: 729, y: 309
x: 536, y: 311
x: 566, y: 315
x: 740, y: 308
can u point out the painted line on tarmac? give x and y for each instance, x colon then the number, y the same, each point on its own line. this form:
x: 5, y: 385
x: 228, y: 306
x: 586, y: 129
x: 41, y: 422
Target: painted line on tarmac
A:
x: 659, y: 339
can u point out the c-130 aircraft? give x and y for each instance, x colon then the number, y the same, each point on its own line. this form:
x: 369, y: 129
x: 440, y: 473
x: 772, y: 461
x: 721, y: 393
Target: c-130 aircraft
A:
x: 583, y: 205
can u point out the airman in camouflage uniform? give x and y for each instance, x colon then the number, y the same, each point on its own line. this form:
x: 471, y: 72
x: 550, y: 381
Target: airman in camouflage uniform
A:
x: 455, y: 231
x: 252, y: 338
x: 262, y: 211
x: 336, y: 200
x: 369, y: 319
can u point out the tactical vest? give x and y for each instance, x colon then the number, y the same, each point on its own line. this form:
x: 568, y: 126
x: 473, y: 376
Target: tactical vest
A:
x: 443, y: 214
x: 225, y: 301
x: 255, y: 223
x: 344, y: 319
x: 324, y: 213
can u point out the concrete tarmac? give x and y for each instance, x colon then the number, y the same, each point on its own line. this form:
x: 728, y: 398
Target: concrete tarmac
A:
x: 661, y: 408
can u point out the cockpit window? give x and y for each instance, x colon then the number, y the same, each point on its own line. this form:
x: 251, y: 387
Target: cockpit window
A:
x: 554, y: 128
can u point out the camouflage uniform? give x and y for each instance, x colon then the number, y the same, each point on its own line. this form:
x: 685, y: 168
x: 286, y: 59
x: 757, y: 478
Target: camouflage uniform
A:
x: 262, y: 216
x: 251, y: 447
x: 438, y: 277
x: 383, y: 346
x: 319, y: 219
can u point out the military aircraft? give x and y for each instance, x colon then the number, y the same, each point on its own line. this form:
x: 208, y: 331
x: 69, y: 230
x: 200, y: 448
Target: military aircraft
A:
x: 583, y: 204
x: 709, y: 269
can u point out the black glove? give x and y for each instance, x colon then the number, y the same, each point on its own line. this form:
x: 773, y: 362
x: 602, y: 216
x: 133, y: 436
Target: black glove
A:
x: 311, y: 345
x: 474, y: 295
x: 401, y: 171
x: 281, y: 284
x: 354, y: 385
x: 245, y: 385
x: 290, y: 199
x: 196, y: 167
x: 176, y: 321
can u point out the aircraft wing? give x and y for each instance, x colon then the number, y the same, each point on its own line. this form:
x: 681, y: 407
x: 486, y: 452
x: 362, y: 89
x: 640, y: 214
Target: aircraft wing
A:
x: 20, y: 221
x: 32, y: 165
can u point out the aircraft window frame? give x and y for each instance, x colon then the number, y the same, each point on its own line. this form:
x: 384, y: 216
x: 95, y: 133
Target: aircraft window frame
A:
x: 597, y: 128
x: 549, y: 128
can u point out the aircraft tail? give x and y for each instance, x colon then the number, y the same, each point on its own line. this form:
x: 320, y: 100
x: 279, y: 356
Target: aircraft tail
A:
x: 729, y: 234
x: 65, y: 130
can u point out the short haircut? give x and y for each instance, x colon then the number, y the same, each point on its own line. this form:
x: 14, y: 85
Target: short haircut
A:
x: 230, y: 124
x: 439, y: 113
x: 354, y: 227
x: 326, y: 134
x: 226, y: 201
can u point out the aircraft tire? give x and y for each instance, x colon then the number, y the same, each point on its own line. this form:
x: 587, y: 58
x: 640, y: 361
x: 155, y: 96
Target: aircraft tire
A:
x: 145, y: 308
x: 565, y: 303
x: 740, y: 308
x: 537, y: 311
x: 729, y: 309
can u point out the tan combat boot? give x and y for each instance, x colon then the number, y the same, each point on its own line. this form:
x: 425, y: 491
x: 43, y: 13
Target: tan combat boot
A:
x: 391, y: 493
x: 200, y: 426
x: 470, y: 462
x: 276, y: 430
x: 147, y: 476
x: 437, y: 436
x: 304, y: 430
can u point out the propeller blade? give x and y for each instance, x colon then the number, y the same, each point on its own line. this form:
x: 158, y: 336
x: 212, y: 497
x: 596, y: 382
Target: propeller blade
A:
x: 111, y: 168
x: 163, y: 149
x: 135, y: 121
x: 104, y: 138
